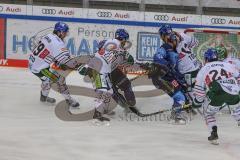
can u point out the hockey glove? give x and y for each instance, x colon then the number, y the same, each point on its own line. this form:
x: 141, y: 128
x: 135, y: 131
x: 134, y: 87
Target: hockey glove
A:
x: 130, y: 59
x: 82, y: 70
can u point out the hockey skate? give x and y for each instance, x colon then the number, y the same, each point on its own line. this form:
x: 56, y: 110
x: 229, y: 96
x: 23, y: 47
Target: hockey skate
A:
x: 188, y: 108
x: 47, y: 99
x: 178, y: 117
x: 213, y: 138
x: 72, y: 103
x: 98, y: 119
x: 238, y: 123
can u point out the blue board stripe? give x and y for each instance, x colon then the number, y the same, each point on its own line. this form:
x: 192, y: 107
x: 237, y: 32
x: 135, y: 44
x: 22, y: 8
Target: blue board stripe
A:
x: 113, y: 22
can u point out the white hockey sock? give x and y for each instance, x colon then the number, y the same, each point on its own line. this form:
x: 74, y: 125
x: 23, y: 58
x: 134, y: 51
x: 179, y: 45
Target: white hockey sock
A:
x: 63, y: 88
x: 102, y: 101
x: 46, y: 86
x: 210, y: 121
x: 236, y: 113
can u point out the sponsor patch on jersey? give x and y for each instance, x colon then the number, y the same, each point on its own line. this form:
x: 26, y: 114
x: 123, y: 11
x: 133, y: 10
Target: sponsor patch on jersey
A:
x: 44, y: 53
x: 181, y: 55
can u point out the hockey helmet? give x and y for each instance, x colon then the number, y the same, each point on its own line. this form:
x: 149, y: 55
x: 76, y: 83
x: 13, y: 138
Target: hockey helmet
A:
x: 121, y: 34
x: 221, y: 52
x: 165, y: 29
x: 61, y: 27
x: 210, y: 55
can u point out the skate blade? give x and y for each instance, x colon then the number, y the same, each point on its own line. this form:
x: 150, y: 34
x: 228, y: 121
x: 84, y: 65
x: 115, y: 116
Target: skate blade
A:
x: 97, y: 122
x: 214, y: 142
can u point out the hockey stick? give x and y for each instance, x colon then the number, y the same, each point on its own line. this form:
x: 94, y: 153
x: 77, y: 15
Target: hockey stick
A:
x: 122, y: 102
x: 138, y: 76
x: 138, y: 113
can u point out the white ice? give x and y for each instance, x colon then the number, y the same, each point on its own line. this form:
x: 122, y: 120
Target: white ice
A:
x: 30, y: 130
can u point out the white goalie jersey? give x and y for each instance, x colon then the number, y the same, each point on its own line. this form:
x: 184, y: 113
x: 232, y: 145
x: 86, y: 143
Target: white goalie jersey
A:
x: 188, y: 61
x: 51, y: 49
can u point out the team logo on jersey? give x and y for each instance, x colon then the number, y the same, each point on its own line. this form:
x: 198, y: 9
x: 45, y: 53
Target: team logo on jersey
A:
x: 218, y: 21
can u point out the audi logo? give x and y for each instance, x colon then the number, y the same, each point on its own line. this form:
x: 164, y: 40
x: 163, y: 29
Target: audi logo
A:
x: 161, y: 17
x: 104, y: 14
x: 218, y: 21
x: 1, y: 8
x: 48, y: 11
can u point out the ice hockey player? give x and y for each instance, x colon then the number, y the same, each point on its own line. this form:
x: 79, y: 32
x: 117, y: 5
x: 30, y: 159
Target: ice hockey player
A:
x: 188, y: 64
x: 216, y: 84
x: 118, y: 79
x: 165, y: 76
x: 112, y: 54
x: 51, y: 50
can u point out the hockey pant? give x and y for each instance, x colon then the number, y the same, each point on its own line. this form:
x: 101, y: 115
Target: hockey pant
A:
x: 119, y: 79
x: 189, y: 78
x: 103, y: 88
x: 216, y: 99
x: 172, y: 88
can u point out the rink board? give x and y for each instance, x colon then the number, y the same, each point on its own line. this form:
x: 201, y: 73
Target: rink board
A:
x: 19, y: 23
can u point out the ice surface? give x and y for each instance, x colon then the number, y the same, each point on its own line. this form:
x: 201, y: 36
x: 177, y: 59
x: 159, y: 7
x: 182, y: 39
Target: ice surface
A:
x: 30, y: 130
